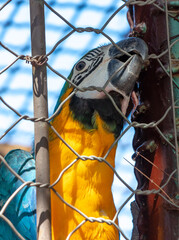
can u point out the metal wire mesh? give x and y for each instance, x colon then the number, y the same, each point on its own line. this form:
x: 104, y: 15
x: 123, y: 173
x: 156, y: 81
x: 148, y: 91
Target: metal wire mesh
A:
x: 41, y: 60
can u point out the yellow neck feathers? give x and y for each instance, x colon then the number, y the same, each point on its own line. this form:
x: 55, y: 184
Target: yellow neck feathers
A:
x: 87, y: 184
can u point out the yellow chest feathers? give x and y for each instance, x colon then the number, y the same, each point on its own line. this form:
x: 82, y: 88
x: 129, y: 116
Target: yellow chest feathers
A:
x: 85, y: 142
x: 83, y: 183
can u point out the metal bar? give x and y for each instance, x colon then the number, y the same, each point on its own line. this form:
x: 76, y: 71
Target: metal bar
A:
x: 41, y: 128
x: 173, y: 26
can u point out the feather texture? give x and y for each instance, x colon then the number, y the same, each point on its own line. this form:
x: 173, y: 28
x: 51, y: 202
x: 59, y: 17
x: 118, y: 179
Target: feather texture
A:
x: 22, y: 209
x: 87, y: 184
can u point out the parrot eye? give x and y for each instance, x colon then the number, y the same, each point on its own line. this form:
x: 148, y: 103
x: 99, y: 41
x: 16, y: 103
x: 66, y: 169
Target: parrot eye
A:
x: 80, y: 66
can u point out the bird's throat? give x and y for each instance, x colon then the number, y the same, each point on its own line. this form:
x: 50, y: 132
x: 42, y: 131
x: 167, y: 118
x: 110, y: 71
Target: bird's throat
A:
x: 86, y: 185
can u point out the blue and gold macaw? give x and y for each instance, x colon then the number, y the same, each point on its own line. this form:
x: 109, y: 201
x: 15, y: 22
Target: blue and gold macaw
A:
x: 89, y: 123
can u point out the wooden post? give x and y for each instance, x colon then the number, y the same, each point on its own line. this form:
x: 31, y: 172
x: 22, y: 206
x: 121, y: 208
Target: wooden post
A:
x: 157, y: 219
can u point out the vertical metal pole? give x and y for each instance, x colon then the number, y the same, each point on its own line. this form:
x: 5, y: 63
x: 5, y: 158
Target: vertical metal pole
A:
x: 41, y: 128
x: 174, y: 68
x: 173, y: 26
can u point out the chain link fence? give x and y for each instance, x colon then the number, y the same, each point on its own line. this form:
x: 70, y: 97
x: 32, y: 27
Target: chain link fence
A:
x: 44, y: 60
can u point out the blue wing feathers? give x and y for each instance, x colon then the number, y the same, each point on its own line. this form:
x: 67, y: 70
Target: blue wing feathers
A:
x: 22, y: 209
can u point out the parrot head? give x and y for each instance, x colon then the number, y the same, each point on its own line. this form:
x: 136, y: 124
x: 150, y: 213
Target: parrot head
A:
x: 111, y: 69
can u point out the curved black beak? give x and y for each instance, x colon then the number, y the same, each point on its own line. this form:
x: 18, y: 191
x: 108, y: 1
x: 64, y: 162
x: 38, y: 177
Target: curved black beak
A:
x: 133, y: 50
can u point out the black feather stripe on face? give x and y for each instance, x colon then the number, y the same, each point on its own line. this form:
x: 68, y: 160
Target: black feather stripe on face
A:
x: 93, y: 54
x: 95, y: 57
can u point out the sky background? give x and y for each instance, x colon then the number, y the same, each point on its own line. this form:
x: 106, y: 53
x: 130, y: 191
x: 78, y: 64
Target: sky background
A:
x: 16, y: 82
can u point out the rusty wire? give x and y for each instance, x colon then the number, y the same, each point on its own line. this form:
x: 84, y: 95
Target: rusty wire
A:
x: 43, y: 60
